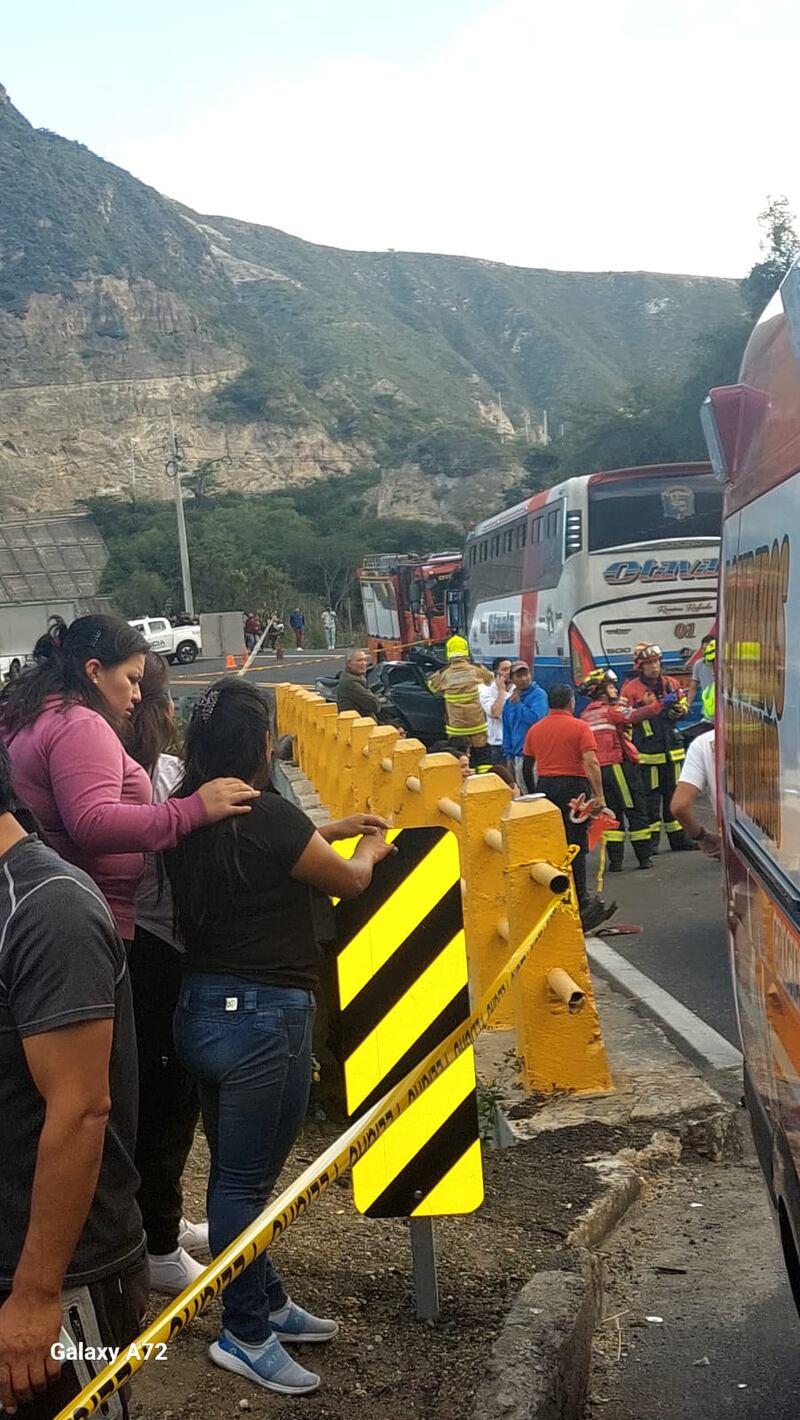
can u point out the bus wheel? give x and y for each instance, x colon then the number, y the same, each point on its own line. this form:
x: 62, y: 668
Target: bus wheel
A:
x: 789, y: 1253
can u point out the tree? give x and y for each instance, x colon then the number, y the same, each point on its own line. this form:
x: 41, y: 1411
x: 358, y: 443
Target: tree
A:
x: 202, y: 481
x: 780, y: 245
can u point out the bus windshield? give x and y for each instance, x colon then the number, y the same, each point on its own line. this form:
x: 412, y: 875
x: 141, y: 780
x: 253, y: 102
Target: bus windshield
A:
x: 629, y: 511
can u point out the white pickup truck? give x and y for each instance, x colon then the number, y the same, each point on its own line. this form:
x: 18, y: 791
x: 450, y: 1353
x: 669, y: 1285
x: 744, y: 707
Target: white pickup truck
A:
x: 175, y: 643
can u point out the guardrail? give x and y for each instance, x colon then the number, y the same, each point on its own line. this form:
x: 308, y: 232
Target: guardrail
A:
x: 336, y: 1161
x: 512, y: 857
x: 527, y: 958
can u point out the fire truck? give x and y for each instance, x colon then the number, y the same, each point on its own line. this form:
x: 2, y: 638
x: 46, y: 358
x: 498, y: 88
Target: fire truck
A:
x: 409, y: 601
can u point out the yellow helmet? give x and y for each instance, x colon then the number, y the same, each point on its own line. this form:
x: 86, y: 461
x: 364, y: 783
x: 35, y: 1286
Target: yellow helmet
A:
x: 710, y: 651
x: 456, y: 646
x: 596, y: 681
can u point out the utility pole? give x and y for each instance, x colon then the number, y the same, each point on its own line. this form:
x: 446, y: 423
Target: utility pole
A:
x: 526, y: 420
x: 173, y: 470
x: 545, y: 428
x: 500, y: 407
x: 133, y: 474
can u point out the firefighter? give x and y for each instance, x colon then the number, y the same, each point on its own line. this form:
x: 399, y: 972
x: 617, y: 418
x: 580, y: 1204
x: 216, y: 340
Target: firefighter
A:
x: 612, y: 720
x: 703, y: 677
x: 656, y: 737
x: 458, y: 683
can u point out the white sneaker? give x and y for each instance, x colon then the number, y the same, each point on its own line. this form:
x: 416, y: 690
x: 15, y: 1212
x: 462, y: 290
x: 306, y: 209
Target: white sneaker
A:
x: 172, y: 1271
x: 193, y: 1236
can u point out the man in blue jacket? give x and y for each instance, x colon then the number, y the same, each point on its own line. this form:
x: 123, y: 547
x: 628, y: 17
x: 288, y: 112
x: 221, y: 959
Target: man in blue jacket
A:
x: 526, y: 704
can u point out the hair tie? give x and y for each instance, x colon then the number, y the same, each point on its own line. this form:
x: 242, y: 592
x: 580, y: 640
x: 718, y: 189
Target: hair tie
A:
x: 206, y: 705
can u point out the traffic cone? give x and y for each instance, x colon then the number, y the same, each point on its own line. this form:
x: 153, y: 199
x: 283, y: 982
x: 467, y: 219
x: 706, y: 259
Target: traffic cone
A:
x: 230, y: 663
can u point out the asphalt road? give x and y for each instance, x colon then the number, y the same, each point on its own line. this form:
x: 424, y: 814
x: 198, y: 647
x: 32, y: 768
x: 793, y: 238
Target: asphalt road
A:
x: 683, y: 945
x: 698, y: 1256
x: 302, y: 667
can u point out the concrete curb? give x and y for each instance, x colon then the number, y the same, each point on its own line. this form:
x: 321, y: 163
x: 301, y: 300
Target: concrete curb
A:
x: 540, y: 1364
x: 539, y: 1367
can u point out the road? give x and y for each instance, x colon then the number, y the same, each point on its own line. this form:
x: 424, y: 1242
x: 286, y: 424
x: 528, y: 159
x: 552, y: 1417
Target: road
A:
x: 683, y: 945
x: 302, y: 667
x: 700, y: 1253
x: 729, y: 1341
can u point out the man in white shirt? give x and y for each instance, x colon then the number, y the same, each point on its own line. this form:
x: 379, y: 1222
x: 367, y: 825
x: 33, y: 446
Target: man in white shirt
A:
x: 493, y: 697
x: 329, y: 627
x: 698, y: 775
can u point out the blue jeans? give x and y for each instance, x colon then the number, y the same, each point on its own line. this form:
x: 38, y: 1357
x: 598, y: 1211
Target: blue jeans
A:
x: 252, y: 1060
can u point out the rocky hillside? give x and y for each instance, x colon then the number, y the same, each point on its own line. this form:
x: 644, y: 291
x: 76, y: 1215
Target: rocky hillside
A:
x: 284, y: 360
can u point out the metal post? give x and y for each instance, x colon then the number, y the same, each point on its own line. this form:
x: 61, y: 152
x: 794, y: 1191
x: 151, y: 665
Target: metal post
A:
x: 423, y: 1257
x: 174, y: 471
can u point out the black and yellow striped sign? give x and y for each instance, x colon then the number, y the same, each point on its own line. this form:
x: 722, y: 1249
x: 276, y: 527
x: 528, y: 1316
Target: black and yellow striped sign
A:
x: 403, y: 987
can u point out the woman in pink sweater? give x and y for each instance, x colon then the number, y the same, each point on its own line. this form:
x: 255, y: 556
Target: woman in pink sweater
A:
x: 64, y: 724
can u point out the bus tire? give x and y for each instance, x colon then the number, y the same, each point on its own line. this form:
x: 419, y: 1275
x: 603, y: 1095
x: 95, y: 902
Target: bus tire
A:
x: 790, y: 1257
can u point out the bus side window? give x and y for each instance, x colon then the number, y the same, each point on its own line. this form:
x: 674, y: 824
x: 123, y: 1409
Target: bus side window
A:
x: 536, y: 529
x: 484, y: 550
x: 552, y: 523
x: 496, y: 545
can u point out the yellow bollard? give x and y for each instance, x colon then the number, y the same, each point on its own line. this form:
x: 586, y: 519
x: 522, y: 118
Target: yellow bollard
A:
x: 441, y: 779
x: 343, y: 795
x: 318, y: 711
x: 328, y: 760
x: 361, y: 783
x: 484, y: 799
x: 305, y: 699
x: 408, y: 808
x: 557, y: 1050
x: 380, y: 748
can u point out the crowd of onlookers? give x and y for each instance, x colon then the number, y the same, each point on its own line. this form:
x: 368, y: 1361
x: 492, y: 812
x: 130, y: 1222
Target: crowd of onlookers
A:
x: 262, y: 629
x: 158, y: 950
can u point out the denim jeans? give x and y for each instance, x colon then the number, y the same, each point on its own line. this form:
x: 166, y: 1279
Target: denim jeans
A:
x: 249, y: 1047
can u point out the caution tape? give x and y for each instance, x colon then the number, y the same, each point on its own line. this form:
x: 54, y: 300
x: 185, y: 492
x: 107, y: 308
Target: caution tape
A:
x: 295, y: 1200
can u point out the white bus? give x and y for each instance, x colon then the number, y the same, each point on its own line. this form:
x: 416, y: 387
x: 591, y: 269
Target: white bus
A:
x: 577, y: 575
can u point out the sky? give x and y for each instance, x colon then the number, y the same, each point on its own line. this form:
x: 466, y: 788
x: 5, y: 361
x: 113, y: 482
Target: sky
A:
x: 576, y: 134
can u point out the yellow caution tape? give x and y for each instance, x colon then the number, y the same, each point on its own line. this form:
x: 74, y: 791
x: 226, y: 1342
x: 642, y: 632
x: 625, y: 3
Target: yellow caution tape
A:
x: 295, y: 1200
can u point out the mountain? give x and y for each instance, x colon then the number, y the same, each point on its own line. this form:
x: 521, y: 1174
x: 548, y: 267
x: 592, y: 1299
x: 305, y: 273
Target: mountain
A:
x: 284, y: 360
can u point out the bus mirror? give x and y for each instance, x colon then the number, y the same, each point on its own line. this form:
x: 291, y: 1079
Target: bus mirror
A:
x: 731, y: 417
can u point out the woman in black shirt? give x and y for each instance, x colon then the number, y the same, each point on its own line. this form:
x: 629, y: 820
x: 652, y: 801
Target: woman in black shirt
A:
x: 244, y: 1023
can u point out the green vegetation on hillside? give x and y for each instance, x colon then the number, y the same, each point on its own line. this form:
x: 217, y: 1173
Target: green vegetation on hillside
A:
x: 263, y: 551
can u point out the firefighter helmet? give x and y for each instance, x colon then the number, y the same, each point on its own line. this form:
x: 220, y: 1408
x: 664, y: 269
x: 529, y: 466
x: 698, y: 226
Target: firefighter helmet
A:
x: 596, y: 681
x: 456, y: 646
x: 645, y: 651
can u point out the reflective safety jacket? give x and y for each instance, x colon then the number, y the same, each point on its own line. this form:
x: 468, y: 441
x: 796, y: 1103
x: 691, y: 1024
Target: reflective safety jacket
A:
x: 611, y: 723
x: 458, y: 684
x: 656, y: 736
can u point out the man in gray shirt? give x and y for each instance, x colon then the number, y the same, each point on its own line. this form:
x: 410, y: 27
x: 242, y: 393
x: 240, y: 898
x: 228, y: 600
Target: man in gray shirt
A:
x: 352, y: 691
x: 73, y: 1267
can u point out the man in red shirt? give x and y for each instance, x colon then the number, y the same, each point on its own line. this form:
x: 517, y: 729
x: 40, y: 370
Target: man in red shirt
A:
x: 611, y: 722
x: 564, y: 752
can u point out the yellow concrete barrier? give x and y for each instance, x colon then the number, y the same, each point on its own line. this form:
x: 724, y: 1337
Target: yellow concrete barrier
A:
x: 512, y: 857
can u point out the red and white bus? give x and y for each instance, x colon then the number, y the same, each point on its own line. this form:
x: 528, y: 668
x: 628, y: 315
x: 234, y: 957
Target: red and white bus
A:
x: 577, y: 575
x: 753, y: 433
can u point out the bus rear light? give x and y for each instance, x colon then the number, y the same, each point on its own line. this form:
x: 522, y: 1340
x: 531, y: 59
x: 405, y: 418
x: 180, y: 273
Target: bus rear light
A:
x: 573, y: 541
x: 581, y: 657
